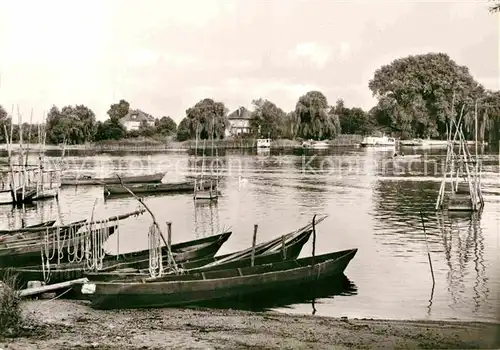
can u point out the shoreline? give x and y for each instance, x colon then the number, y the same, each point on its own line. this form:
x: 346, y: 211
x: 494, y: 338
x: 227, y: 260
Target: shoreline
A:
x: 62, y: 324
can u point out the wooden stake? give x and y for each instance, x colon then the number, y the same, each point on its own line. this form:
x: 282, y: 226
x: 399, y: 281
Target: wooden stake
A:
x: 169, y: 233
x: 314, y: 239
x: 255, y: 227
x: 283, y: 247
x: 171, y: 260
x: 428, y: 253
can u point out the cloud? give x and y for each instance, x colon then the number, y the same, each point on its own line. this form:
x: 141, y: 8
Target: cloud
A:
x: 164, y: 56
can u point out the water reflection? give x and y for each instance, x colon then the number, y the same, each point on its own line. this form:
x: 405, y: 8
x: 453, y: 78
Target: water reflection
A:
x: 311, y: 292
x: 206, y: 218
x: 463, y: 243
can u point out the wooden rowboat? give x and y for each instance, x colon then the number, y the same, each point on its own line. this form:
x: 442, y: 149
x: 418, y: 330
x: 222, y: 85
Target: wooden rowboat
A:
x: 185, y: 251
x: 149, y: 188
x: 152, y: 178
x: 48, y: 223
x: 264, y: 256
x: 186, y: 289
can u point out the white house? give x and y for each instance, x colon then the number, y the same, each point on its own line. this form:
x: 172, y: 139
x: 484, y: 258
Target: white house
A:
x: 239, y: 122
x: 134, y: 118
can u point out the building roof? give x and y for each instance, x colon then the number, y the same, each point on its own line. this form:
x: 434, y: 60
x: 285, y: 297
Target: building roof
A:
x: 240, y: 113
x: 137, y: 115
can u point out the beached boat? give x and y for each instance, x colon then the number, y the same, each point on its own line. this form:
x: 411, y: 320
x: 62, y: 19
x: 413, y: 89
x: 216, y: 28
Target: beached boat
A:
x: 185, y: 289
x: 151, y: 188
x: 265, y: 254
x: 263, y: 143
x: 87, y: 180
x: 198, y: 249
x: 383, y: 141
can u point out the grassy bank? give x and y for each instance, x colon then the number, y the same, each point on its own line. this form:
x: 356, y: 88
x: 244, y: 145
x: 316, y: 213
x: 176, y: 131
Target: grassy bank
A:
x: 67, y: 324
x: 152, y: 145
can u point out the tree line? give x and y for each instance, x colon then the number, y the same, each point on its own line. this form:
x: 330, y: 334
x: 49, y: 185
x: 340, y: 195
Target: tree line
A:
x: 416, y: 97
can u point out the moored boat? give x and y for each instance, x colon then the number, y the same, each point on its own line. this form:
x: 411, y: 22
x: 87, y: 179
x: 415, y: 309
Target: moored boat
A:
x: 185, y: 289
x: 151, y: 188
x: 185, y: 251
x: 374, y: 141
x: 265, y: 254
x: 114, y: 180
x: 263, y: 143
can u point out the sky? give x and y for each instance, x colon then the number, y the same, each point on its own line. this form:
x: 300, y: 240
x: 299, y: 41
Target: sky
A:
x: 164, y: 56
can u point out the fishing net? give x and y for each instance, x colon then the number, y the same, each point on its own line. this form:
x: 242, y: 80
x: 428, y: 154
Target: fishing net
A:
x: 155, y: 251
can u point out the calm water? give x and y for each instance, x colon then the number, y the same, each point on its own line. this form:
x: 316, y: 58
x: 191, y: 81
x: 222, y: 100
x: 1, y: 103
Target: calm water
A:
x: 372, y: 203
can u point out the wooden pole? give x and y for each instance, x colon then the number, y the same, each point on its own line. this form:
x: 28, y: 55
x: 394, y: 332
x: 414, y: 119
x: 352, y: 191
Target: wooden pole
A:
x: 428, y: 253
x: 283, y: 247
x: 171, y: 260
x: 255, y: 227
x: 314, y: 239
x: 169, y: 234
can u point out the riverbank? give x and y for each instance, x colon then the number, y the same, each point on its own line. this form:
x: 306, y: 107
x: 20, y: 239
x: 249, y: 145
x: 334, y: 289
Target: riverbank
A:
x: 62, y: 324
x: 150, y: 145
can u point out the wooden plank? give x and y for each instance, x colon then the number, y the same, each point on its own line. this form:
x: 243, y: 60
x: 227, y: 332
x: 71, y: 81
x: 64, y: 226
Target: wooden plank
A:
x: 49, y: 288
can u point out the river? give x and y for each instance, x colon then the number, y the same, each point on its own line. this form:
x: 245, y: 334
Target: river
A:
x: 373, y: 204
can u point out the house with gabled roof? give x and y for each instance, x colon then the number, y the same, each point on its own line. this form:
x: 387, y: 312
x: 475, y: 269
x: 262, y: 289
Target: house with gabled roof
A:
x: 239, y: 122
x: 134, y: 118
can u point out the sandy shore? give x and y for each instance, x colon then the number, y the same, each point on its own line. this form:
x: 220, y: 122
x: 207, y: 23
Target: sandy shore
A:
x: 61, y: 324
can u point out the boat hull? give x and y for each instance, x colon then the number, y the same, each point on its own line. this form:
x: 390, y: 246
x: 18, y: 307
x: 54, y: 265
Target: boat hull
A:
x: 182, y: 252
x: 153, y: 178
x: 213, y: 285
x: 292, y: 251
x: 174, y: 187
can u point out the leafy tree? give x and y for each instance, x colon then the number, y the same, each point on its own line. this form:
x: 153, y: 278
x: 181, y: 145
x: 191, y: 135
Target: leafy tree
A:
x: 352, y: 120
x: 4, y: 120
x: 183, y: 131
x: 165, y: 126
x: 118, y: 110
x: 495, y: 7
x: 205, y: 117
x: 267, y: 119
x: 315, y: 119
x: 74, y: 125
x: 111, y: 129
x: 417, y: 94
x: 146, y: 130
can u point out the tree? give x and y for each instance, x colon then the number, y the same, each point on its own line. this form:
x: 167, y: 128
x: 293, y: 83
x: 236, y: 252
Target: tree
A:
x: 418, y: 94
x: 165, y: 126
x: 4, y: 120
x: 315, y: 119
x: 183, y: 131
x: 496, y: 6
x: 352, y: 120
x: 207, y: 116
x: 111, y: 129
x: 118, y: 110
x: 267, y: 119
x: 74, y: 125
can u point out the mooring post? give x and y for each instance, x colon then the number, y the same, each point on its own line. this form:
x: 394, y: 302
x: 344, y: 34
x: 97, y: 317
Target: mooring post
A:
x: 255, y: 227
x: 428, y: 253
x: 169, y: 234
x: 314, y: 240
x: 283, y: 247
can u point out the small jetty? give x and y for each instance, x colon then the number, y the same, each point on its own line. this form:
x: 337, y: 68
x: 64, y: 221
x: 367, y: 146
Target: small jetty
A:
x: 461, y: 185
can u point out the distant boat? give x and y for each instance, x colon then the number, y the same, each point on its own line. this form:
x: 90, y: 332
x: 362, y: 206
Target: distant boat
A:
x: 406, y: 156
x: 374, y: 141
x: 316, y: 144
x: 263, y: 143
x: 87, y: 180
